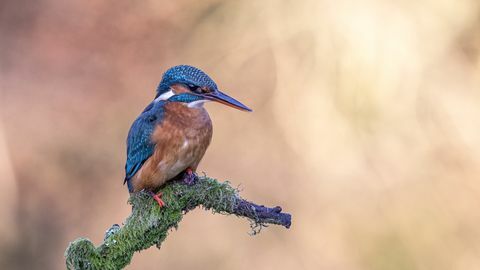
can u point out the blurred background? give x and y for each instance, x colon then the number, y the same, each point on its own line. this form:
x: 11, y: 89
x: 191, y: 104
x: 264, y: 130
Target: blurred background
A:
x: 366, y: 128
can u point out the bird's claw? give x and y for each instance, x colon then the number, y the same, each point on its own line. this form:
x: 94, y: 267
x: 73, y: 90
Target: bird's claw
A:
x: 158, y: 198
x: 190, y: 178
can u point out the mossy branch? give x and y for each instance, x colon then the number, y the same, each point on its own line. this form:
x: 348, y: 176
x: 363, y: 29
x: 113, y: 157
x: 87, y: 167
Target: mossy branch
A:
x: 149, y: 224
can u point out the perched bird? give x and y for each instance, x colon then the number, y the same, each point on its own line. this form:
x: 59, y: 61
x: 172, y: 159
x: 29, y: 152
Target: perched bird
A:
x: 171, y: 135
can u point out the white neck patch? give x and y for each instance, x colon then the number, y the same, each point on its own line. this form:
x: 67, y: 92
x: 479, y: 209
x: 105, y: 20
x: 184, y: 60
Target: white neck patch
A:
x: 165, y: 95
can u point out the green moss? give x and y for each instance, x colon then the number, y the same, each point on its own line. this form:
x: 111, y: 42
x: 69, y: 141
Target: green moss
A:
x: 149, y: 224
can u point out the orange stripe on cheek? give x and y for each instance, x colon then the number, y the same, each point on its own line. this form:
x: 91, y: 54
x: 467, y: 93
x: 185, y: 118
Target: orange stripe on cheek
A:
x: 178, y: 88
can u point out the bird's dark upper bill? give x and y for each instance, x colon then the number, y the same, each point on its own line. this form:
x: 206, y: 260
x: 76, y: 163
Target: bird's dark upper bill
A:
x: 227, y: 100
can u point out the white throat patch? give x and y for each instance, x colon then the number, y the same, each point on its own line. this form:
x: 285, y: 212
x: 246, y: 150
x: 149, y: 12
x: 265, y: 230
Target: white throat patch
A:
x: 197, y: 103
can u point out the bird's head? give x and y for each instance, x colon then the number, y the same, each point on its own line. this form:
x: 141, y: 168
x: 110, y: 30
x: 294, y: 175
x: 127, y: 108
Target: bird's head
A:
x: 192, y: 86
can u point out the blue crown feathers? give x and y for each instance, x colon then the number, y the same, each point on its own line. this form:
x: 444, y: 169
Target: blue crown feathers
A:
x: 183, y: 74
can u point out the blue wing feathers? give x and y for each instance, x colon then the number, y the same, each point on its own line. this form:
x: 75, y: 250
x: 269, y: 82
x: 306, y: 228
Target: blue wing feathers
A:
x: 139, y: 143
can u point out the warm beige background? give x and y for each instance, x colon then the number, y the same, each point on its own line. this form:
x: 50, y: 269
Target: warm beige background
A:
x: 366, y: 127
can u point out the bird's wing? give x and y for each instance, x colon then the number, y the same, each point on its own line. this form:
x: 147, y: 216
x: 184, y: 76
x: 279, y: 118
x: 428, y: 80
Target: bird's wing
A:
x: 139, y: 144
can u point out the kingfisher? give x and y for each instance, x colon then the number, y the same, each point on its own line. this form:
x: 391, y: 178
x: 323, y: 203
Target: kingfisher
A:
x: 169, y: 138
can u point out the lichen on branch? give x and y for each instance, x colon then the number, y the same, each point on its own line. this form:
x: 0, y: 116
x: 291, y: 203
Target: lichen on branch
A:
x: 149, y: 224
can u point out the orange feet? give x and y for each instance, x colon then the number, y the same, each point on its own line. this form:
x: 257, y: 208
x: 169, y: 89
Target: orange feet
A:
x: 158, y: 198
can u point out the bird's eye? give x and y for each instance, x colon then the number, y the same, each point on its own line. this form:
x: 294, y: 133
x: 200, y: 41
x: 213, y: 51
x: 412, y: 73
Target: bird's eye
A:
x: 198, y: 90
x: 194, y: 88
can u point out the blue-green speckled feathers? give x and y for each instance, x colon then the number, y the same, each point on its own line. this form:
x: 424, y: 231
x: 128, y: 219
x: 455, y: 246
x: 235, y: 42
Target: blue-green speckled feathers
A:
x: 187, y: 75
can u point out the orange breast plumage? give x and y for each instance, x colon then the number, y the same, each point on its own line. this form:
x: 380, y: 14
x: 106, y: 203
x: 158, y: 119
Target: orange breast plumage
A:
x: 180, y: 139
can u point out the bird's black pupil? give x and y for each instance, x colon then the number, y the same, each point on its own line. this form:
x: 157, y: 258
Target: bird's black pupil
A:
x: 196, y: 89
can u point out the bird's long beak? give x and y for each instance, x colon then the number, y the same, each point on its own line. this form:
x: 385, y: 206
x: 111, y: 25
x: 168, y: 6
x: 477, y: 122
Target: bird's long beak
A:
x: 226, y: 100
